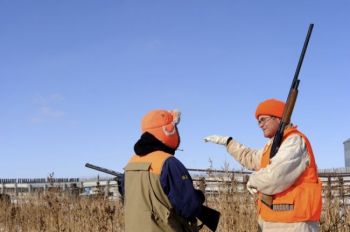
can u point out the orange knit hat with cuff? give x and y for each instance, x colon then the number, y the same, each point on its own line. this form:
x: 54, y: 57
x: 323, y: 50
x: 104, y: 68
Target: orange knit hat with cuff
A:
x: 272, y: 107
x: 162, y: 125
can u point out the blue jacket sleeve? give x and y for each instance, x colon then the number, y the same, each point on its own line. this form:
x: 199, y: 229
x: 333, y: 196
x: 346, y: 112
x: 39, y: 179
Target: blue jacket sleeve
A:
x: 177, y: 184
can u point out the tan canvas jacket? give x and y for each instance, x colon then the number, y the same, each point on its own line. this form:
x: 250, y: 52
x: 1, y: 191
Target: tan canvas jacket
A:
x: 147, y: 207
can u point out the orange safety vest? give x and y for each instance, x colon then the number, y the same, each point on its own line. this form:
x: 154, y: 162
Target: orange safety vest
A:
x: 300, y: 202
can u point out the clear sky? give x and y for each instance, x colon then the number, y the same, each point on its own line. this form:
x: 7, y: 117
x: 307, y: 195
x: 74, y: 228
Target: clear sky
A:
x: 76, y: 77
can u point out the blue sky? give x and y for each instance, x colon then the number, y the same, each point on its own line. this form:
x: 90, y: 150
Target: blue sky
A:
x: 76, y: 77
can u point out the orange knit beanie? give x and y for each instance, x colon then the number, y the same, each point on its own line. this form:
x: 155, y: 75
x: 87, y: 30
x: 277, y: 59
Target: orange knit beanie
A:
x: 162, y: 125
x: 272, y: 107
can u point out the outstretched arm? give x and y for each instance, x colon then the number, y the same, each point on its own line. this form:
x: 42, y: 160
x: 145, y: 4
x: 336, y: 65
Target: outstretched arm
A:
x: 249, y: 158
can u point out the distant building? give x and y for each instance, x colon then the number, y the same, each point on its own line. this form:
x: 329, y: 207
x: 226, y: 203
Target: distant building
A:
x: 347, y: 153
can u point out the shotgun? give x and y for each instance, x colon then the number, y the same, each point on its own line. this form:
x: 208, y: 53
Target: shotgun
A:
x: 119, y: 177
x: 288, y: 110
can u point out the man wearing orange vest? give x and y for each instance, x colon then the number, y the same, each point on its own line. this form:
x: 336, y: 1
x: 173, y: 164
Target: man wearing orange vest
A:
x: 290, y: 176
x: 159, y: 192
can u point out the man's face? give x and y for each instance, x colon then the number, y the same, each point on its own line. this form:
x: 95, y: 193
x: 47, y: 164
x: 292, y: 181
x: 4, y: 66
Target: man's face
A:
x: 269, y: 125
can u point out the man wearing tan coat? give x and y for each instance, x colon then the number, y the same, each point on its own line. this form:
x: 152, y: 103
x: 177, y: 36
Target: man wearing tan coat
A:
x: 159, y: 192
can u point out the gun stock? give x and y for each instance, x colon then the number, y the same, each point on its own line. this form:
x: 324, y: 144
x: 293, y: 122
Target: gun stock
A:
x: 209, y: 217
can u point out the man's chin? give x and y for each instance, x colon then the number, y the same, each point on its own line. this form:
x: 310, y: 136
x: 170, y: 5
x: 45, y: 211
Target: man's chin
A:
x: 267, y: 135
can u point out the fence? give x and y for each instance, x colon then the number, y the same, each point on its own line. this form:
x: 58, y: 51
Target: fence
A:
x: 336, y: 183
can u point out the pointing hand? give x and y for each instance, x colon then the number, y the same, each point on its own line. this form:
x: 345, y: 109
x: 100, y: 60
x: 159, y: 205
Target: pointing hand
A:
x: 217, y: 139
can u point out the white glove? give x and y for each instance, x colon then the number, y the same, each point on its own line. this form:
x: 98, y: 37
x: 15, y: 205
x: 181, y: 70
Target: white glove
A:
x: 216, y: 139
x: 251, y: 189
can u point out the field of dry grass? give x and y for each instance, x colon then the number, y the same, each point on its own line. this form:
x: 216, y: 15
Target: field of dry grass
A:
x: 59, y: 212
x: 56, y: 212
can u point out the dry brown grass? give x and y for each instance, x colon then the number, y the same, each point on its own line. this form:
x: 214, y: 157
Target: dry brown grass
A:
x: 335, y: 216
x: 53, y: 212
x: 238, y: 212
x: 56, y: 212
